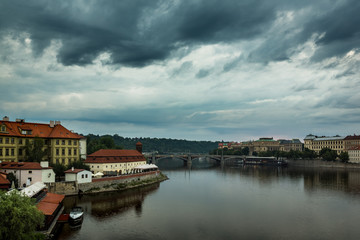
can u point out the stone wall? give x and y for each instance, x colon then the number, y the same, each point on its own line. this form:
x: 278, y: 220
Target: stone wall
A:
x: 99, y: 184
x: 66, y: 188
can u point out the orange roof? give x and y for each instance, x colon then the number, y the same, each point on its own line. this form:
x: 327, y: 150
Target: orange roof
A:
x: 49, y: 203
x: 115, y: 156
x: 47, y: 208
x: 22, y: 165
x: 3, y: 180
x: 53, y: 198
x: 74, y: 171
x: 354, y: 148
x: 14, y: 129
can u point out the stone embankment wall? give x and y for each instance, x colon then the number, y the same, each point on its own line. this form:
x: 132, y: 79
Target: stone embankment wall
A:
x: 106, y: 183
x: 317, y: 163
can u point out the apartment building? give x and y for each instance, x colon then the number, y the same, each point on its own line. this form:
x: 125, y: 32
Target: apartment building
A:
x: 60, y: 144
x: 316, y: 143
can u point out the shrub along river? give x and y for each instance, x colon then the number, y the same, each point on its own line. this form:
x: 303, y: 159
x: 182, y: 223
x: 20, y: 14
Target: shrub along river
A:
x: 227, y: 202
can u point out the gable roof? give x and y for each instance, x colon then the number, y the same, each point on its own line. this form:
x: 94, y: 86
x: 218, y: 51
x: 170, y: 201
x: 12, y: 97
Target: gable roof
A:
x: 22, y: 166
x: 74, y: 171
x: 115, y: 156
x: 14, y: 129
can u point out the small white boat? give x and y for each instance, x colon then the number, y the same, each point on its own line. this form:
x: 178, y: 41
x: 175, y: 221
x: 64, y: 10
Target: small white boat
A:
x: 76, y: 216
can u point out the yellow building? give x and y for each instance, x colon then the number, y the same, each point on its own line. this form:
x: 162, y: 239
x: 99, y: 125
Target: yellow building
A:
x: 316, y: 143
x: 115, y: 161
x: 60, y: 144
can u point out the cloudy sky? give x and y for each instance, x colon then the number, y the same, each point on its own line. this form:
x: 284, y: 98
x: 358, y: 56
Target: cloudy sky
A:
x: 198, y: 69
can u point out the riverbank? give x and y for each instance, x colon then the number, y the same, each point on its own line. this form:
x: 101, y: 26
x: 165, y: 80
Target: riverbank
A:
x: 317, y: 163
x: 107, y: 184
x: 113, y: 184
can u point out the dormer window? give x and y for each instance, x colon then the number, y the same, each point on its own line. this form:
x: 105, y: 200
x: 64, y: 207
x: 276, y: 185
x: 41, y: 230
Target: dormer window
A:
x: 26, y: 131
x: 3, y: 128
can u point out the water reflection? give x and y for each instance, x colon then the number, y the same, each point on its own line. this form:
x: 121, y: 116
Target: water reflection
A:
x: 228, y: 201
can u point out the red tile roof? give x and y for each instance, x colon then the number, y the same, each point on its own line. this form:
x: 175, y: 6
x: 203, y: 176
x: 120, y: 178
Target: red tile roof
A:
x: 14, y: 129
x: 352, y: 137
x: 49, y: 203
x: 22, y: 166
x: 74, y: 171
x: 115, y: 156
x: 3, y: 180
x: 354, y: 148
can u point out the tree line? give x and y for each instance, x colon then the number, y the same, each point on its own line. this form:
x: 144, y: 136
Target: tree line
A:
x: 325, y: 154
x: 160, y: 145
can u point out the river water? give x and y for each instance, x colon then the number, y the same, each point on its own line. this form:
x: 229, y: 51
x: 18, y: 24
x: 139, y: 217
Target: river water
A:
x: 227, y: 202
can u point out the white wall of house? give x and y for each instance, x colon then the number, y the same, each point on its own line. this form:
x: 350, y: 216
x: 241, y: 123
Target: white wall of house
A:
x: 70, y: 177
x: 48, y: 176
x: 83, y: 148
x: 121, y: 168
x: 84, y: 176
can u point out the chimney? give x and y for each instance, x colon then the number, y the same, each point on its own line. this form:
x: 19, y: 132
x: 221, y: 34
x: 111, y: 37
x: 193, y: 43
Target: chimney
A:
x: 139, y: 147
x: 44, y: 164
x: 57, y: 122
x: 20, y: 120
x: 52, y: 124
x: 6, y: 118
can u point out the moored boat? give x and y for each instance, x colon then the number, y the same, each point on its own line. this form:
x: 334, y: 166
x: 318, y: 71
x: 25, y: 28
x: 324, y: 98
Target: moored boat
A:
x: 76, y: 216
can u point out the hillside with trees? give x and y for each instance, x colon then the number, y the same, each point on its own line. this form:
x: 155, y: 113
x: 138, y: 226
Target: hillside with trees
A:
x: 160, y: 145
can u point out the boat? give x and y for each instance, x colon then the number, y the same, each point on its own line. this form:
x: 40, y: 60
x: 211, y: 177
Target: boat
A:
x: 76, y: 216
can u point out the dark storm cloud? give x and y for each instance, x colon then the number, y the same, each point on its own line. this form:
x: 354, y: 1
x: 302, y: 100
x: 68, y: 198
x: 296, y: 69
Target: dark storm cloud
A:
x: 137, y: 33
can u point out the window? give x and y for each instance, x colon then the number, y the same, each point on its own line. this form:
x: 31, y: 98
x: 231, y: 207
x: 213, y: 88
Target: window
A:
x: 75, y: 152
x: 69, y: 142
x: 57, y: 141
x: 69, y: 151
x: 6, y: 152
x: 97, y: 166
x: 0, y: 151
x: 7, y: 140
x: 3, y: 128
x: 12, y: 140
x: 57, y: 152
x: 62, y: 142
x: 75, y: 142
x: 0, y: 139
x: 57, y: 161
x: 12, y: 152
x: 63, y: 151
x: 30, y: 172
x: 20, y: 141
x: 20, y: 152
x: 63, y: 161
x: 82, y: 175
x: 86, y: 176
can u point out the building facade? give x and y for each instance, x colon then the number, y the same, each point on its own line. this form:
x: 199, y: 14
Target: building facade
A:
x: 78, y: 175
x: 28, y: 173
x: 354, y: 154
x: 115, y: 161
x: 315, y: 143
x: 61, y: 145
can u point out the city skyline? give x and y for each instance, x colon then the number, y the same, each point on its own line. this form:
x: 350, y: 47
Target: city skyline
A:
x: 195, y: 70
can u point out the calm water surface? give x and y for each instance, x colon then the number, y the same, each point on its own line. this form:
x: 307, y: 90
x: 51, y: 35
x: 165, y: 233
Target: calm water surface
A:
x: 230, y: 202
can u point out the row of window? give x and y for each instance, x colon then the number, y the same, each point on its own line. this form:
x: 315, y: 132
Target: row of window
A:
x: 63, y: 141
x: 71, y: 152
x: 124, y: 164
x: 7, y: 152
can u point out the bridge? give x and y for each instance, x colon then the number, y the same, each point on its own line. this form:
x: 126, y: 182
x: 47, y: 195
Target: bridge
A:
x: 188, y: 158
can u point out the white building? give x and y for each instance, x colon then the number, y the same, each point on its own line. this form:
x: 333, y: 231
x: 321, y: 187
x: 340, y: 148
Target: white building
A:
x: 78, y: 175
x: 28, y: 173
x: 354, y: 154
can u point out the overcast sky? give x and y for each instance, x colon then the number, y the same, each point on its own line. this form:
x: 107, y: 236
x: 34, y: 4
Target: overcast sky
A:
x: 197, y: 70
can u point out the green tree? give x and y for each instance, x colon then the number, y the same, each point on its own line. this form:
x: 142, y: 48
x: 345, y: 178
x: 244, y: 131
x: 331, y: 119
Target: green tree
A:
x: 78, y: 165
x: 344, y: 157
x: 19, y: 217
x: 12, y: 178
x: 245, y: 151
x: 34, y: 150
x: 327, y: 154
x: 59, y: 170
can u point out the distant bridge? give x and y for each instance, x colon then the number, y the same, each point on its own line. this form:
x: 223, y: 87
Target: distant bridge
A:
x: 188, y: 158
